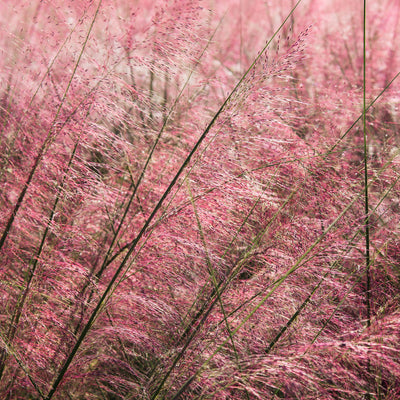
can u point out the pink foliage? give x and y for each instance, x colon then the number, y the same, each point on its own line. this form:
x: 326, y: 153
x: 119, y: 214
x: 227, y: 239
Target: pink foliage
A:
x: 153, y: 247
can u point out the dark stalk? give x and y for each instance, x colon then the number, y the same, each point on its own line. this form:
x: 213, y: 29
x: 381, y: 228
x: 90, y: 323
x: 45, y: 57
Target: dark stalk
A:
x: 32, y: 268
x: 104, y: 297
x: 366, y: 197
x: 47, y: 142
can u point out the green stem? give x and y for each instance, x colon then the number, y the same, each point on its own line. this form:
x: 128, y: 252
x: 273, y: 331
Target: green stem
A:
x: 366, y: 197
x: 300, y: 263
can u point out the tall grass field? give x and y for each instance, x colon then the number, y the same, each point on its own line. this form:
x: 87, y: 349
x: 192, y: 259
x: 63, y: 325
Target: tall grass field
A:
x: 199, y: 199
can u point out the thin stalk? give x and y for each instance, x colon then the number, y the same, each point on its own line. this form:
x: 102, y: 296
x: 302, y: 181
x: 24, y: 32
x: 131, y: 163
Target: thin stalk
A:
x: 70, y: 162
x: 327, y: 321
x: 216, y: 285
x: 107, y: 260
x: 267, y: 165
x: 330, y: 151
x: 239, y: 263
x: 295, y: 315
x: 104, y: 297
x: 218, y: 298
x: 11, y: 351
x: 349, y: 244
x: 361, y: 116
x: 213, y: 292
x: 150, y: 156
x: 300, y: 262
x: 5, y: 162
x: 233, y: 273
x: 366, y: 199
x: 289, y: 161
x: 211, y: 300
x: 49, y: 138
x: 33, y: 265
x: 366, y: 270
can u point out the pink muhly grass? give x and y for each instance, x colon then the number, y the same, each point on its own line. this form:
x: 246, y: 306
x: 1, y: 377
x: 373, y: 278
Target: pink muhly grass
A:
x: 199, y: 203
